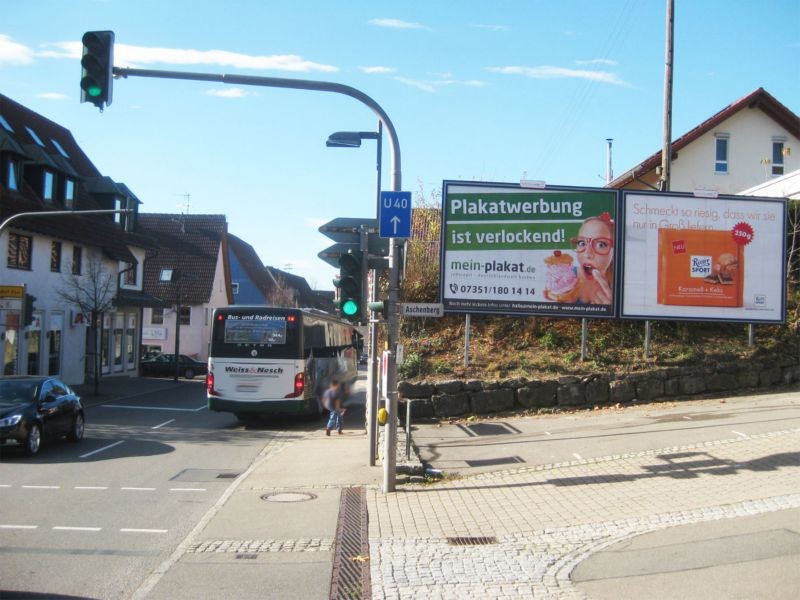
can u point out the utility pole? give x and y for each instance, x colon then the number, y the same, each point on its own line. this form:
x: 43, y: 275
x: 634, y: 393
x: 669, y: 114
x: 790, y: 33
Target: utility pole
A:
x: 666, y: 149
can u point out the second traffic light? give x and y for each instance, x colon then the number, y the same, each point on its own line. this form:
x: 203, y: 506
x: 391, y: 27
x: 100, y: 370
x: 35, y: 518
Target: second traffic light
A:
x: 351, y: 286
x: 97, y: 67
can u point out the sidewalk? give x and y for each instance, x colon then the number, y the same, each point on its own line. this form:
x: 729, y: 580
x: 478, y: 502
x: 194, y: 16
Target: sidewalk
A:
x: 546, y: 531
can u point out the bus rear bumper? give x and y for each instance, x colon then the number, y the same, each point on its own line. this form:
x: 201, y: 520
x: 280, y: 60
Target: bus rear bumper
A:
x: 298, y: 406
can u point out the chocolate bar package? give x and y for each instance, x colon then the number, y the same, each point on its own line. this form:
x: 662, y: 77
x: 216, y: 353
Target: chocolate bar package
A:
x: 699, y: 268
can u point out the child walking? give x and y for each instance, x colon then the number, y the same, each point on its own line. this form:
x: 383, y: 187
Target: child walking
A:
x: 332, y: 400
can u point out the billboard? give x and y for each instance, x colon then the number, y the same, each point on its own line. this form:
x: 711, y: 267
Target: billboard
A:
x: 693, y: 258
x: 513, y: 250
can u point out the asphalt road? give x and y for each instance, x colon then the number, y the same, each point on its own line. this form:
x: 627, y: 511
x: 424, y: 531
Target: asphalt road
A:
x: 92, y: 520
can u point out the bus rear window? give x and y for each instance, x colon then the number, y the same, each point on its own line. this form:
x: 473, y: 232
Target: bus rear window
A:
x: 255, y: 331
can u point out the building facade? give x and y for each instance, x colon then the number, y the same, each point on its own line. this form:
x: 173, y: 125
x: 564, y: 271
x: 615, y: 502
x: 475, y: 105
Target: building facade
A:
x: 82, y: 272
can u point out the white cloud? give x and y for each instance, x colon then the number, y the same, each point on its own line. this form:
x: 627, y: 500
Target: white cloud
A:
x: 377, y: 69
x: 597, y: 61
x: 233, y: 92
x: 491, y: 27
x: 547, y: 72
x: 421, y: 85
x: 398, y: 24
x: 431, y: 85
x: 52, y: 96
x: 12, y: 53
x: 125, y: 54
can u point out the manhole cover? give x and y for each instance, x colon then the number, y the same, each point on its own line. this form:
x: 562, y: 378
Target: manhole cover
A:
x: 288, y: 497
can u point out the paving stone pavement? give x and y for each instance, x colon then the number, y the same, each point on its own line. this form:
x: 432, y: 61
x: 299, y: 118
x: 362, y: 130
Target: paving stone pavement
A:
x: 547, y: 519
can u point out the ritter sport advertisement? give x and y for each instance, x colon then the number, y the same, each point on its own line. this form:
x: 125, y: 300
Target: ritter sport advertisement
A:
x: 510, y: 250
x: 704, y: 258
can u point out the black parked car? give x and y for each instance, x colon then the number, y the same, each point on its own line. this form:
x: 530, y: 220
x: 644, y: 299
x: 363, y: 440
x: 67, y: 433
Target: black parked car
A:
x: 35, y: 408
x: 163, y: 365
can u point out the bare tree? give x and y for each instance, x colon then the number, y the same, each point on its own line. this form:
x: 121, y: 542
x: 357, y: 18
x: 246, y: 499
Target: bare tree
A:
x: 281, y: 293
x: 92, y: 292
x: 793, y: 258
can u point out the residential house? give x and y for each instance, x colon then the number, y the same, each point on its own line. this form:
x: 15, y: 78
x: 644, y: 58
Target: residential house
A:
x: 250, y: 282
x: 751, y: 141
x: 189, y: 270
x: 58, y: 258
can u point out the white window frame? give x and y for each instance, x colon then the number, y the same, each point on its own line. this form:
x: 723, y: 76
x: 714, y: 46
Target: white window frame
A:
x: 721, y: 167
x: 778, y: 168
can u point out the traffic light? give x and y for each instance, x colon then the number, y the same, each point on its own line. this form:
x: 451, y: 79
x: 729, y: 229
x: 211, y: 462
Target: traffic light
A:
x: 350, y: 285
x: 27, y: 315
x: 380, y: 307
x: 98, y: 65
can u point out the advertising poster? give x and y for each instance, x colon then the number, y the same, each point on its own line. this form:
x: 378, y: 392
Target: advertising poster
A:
x: 703, y: 258
x: 513, y: 250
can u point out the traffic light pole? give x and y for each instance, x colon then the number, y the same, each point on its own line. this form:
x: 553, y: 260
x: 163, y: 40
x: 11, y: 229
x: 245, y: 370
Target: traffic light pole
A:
x: 389, y: 474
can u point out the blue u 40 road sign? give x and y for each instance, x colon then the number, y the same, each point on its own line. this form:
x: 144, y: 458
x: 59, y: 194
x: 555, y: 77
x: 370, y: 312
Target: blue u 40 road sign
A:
x: 395, y: 215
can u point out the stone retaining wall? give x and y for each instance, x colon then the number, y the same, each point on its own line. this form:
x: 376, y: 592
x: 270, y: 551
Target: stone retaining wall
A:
x: 455, y: 398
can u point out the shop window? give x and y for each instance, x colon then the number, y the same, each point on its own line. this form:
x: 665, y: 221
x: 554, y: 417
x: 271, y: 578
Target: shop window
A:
x: 157, y: 316
x: 186, y: 315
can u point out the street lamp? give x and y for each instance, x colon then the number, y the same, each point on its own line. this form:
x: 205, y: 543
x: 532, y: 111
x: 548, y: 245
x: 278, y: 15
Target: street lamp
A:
x: 352, y: 139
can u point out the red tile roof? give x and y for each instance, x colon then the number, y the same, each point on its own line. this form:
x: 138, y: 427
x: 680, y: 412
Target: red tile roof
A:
x: 187, y: 243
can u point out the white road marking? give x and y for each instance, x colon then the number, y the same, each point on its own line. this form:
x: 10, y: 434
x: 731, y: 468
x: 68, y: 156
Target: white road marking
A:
x: 162, y: 424
x: 143, y: 530
x: 101, y: 449
x: 155, y: 407
x: 187, y: 489
x: 42, y: 487
x: 5, y: 485
x: 18, y: 526
x: 547, y: 433
x: 139, y: 489
x: 740, y: 434
x: 576, y: 455
x: 91, y: 487
x: 688, y: 418
x: 62, y: 528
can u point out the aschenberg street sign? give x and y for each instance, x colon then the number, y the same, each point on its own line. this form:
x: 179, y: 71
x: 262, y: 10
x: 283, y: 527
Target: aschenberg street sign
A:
x: 419, y: 309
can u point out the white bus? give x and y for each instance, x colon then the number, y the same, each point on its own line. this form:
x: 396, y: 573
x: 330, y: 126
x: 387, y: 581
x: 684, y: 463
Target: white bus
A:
x: 265, y: 360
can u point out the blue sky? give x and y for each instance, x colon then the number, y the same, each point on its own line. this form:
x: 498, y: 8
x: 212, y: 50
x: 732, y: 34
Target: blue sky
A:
x: 487, y: 91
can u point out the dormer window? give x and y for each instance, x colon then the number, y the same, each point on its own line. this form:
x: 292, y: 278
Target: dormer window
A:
x: 35, y: 137
x: 69, y: 194
x: 166, y: 275
x: 48, y: 187
x: 5, y: 125
x: 58, y: 147
x: 11, y: 175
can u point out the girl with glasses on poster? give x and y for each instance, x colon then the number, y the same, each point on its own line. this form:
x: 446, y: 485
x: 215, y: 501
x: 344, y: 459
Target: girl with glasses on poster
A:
x: 592, y: 282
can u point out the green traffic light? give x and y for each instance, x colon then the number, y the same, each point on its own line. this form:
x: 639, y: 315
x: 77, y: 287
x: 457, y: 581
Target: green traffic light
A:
x: 350, y: 308
x: 94, y: 91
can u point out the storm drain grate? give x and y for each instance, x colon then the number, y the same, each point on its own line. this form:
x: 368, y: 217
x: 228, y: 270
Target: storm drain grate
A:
x: 247, y: 556
x: 471, y: 541
x: 351, y: 577
x: 227, y: 475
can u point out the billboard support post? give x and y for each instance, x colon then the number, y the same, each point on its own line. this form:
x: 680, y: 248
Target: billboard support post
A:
x: 467, y: 326
x: 584, y: 337
x: 751, y: 335
x: 647, y: 339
